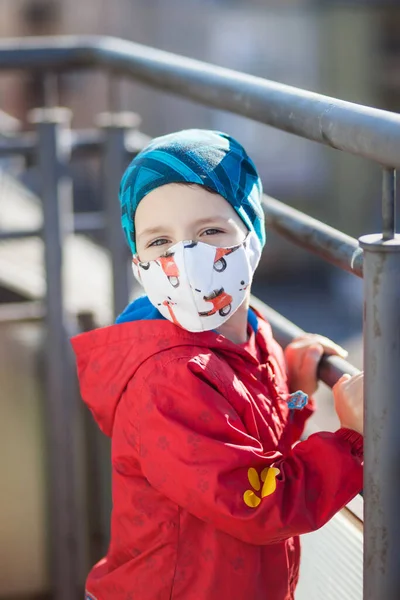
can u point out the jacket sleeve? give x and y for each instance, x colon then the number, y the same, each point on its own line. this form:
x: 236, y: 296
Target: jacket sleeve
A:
x: 195, y: 450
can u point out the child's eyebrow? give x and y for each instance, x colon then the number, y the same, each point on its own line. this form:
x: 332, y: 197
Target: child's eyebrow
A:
x: 208, y: 220
x: 159, y: 229
x: 153, y: 231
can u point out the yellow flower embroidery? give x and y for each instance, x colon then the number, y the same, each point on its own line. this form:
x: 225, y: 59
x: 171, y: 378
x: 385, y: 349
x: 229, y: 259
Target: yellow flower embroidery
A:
x: 268, y: 480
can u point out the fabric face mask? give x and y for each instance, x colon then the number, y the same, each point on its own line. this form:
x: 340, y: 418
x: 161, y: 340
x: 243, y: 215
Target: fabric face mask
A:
x: 198, y: 286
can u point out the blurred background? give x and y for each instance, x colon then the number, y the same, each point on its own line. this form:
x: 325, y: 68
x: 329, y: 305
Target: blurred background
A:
x: 349, y: 50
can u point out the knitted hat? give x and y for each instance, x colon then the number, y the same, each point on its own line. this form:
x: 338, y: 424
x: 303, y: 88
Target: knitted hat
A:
x: 195, y: 156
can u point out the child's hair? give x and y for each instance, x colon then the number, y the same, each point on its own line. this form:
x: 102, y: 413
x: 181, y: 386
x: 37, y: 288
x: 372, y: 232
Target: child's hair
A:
x: 211, y: 159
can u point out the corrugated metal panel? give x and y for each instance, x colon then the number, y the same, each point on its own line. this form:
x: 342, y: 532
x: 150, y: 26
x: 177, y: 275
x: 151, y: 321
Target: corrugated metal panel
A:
x: 332, y: 562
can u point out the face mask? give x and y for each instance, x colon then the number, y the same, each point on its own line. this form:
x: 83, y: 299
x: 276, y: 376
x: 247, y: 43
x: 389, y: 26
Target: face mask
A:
x: 198, y: 286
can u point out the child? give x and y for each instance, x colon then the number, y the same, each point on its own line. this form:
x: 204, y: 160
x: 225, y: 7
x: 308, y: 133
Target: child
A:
x: 211, y: 485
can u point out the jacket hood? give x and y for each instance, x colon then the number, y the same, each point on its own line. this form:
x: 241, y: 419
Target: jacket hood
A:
x: 109, y: 357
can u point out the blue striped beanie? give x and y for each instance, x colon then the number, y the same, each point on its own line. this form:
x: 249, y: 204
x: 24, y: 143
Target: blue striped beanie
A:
x: 194, y: 156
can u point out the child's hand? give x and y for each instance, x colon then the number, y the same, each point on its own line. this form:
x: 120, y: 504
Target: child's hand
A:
x: 302, y: 358
x: 348, y: 393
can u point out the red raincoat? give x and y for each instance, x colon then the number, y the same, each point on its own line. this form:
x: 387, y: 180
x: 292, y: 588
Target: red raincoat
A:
x: 210, y: 491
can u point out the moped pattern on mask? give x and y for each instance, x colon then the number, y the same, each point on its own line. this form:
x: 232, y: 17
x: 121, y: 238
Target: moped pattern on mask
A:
x: 195, y: 285
x: 220, y: 300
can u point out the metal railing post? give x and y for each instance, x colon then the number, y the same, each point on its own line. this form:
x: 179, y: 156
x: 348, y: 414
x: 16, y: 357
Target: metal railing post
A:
x: 52, y: 156
x: 382, y: 405
x: 115, y: 161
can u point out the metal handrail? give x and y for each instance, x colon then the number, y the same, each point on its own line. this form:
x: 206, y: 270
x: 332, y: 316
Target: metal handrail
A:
x: 326, y: 242
x: 330, y: 369
x: 360, y: 130
x: 79, y: 141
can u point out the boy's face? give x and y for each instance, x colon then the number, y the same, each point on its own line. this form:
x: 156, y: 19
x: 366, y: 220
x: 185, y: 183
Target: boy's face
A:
x: 176, y: 212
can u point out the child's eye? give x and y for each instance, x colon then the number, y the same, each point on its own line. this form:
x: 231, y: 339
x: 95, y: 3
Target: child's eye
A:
x: 212, y: 231
x: 159, y: 242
